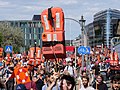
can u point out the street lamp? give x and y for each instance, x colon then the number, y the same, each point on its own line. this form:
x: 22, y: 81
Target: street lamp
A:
x: 35, y: 50
x: 82, y: 25
x: 82, y: 21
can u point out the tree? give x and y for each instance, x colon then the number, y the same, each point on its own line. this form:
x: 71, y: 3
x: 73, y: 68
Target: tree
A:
x: 1, y: 38
x: 11, y: 36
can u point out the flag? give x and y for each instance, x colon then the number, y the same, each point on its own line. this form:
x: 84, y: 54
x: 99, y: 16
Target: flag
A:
x: 21, y: 75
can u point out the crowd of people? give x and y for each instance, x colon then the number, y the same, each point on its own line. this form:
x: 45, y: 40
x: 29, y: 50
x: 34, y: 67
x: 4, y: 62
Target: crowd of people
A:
x: 62, y: 75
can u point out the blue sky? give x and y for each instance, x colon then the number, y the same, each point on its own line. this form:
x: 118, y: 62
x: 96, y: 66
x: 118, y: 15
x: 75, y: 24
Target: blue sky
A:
x: 25, y: 9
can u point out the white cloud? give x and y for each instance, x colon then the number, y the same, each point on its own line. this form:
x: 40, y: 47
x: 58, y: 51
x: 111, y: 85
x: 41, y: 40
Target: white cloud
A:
x: 32, y: 8
x: 69, y: 2
x: 7, y: 5
x: 86, y: 3
x: 4, y: 3
x: 25, y: 9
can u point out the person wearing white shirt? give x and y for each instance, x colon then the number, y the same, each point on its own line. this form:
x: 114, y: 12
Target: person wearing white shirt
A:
x: 85, y: 84
x: 70, y: 69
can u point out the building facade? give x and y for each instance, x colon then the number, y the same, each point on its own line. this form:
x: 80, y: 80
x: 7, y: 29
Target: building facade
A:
x: 91, y: 34
x: 103, y: 28
x: 106, y: 20
x: 32, y: 30
x: 77, y: 42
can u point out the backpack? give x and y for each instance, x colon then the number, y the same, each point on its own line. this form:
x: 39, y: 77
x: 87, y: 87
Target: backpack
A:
x: 103, y: 66
x: 21, y: 87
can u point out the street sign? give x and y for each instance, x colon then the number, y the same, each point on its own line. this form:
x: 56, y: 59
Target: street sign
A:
x: 87, y: 50
x: 84, y: 50
x: 8, y: 49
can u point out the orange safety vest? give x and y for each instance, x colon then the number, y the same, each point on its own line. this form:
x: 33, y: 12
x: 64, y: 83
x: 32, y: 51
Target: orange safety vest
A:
x: 1, y: 51
x: 114, y: 56
x: 34, y: 62
x: 38, y: 53
x: 31, y: 53
x: 98, y: 57
x: 58, y: 19
x: 53, y: 24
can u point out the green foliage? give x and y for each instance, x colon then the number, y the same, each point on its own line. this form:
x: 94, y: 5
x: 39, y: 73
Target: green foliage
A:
x: 1, y: 37
x: 11, y: 36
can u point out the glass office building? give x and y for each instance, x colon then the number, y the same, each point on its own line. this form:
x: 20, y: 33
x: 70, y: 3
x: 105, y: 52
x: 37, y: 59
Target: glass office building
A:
x: 32, y: 30
x: 107, y: 18
x: 91, y: 34
x: 105, y: 26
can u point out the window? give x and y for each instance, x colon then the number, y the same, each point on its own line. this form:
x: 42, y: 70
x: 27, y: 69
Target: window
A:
x: 34, y: 30
x: 39, y: 31
x: 25, y: 36
x: 25, y: 30
x: 39, y: 24
x: 30, y: 42
x: 38, y: 42
x: 30, y: 24
x: 16, y: 24
x: 35, y: 36
x: 30, y: 30
x: 30, y: 37
x: 39, y: 36
x: 25, y: 42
